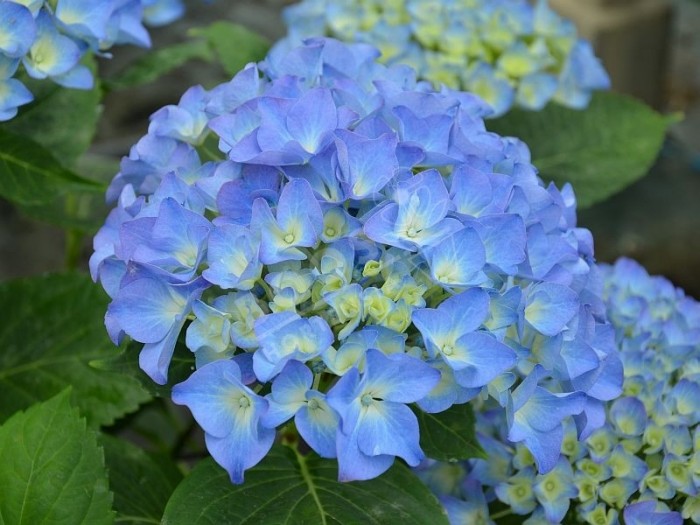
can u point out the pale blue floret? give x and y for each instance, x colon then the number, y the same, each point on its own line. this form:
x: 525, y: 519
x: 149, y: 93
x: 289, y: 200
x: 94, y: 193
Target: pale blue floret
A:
x: 504, y: 241
x: 474, y: 510
x: 12, y: 92
x: 450, y: 332
x: 536, y: 417
x: 85, y: 19
x: 376, y: 425
x: 162, y: 12
x: 153, y: 311
x: 174, y: 241
x: 185, y: 121
x: 628, y: 416
x: 352, y: 352
x: 365, y: 167
x: 555, y: 489
x: 347, y: 303
x: 17, y: 30
x: 457, y: 260
x: 232, y: 254
x: 647, y: 513
x: 51, y: 54
x: 549, y: 307
x: 210, y: 330
x: 230, y: 413
x: 285, y: 336
x: 297, y: 223
x: 417, y: 217
x: 244, y: 310
x: 292, y: 397
x: 291, y: 287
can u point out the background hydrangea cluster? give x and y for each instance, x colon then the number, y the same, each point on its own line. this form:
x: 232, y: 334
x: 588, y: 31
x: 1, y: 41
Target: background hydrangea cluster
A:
x: 506, y: 51
x: 49, y: 39
x: 363, y: 243
x: 644, y: 464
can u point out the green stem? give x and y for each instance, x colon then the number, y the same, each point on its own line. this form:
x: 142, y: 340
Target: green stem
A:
x: 502, y: 514
x: 268, y: 291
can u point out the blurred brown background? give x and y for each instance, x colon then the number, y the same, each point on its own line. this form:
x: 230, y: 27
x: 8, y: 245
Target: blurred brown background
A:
x: 650, y: 47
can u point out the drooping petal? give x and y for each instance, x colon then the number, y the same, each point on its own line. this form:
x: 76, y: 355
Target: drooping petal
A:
x: 389, y: 428
x: 288, y: 393
x: 218, y: 399
x: 318, y: 424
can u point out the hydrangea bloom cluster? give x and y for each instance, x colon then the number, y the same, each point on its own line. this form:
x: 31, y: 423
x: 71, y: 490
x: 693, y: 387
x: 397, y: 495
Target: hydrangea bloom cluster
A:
x: 506, y: 51
x: 644, y: 464
x: 362, y: 244
x: 49, y: 38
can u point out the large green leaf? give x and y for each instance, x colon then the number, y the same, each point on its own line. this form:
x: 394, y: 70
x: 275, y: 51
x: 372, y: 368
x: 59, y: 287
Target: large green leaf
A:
x: 287, y: 488
x: 62, y: 120
x: 52, y: 468
x: 449, y: 435
x: 31, y: 176
x: 599, y: 150
x: 141, y: 482
x: 157, y: 63
x: 234, y: 45
x: 52, y: 329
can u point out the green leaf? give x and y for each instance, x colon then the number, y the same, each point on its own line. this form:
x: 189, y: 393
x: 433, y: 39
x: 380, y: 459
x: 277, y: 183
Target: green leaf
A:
x: 599, y: 150
x: 449, y: 435
x: 31, y: 176
x: 234, y: 45
x: 127, y: 363
x: 141, y: 482
x: 157, y: 63
x: 52, y: 329
x: 52, y: 468
x: 62, y: 120
x: 289, y: 488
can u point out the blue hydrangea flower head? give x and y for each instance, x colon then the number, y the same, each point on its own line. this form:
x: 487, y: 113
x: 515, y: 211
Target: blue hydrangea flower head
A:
x: 642, y: 465
x: 508, y: 52
x: 48, y: 38
x: 361, y: 243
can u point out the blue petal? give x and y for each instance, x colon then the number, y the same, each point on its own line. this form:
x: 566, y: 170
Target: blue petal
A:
x: 318, y: 424
x: 154, y: 358
x: 233, y: 258
x: 51, y: 53
x: 147, y: 308
x: 288, y: 393
x: 478, y: 358
x: 17, y: 29
x: 242, y: 449
x: 218, y: 399
x: 366, y: 165
x: 550, y: 306
x: 311, y: 119
x: 628, y: 416
x: 447, y: 392
x: 398, y: 377
x: 389, y: 428
x: 457, y: 260
x: 354, y: 465
x: 85, y: 18
x: 13, y: 94
x: 504, y: 241
x: 299, y: 213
